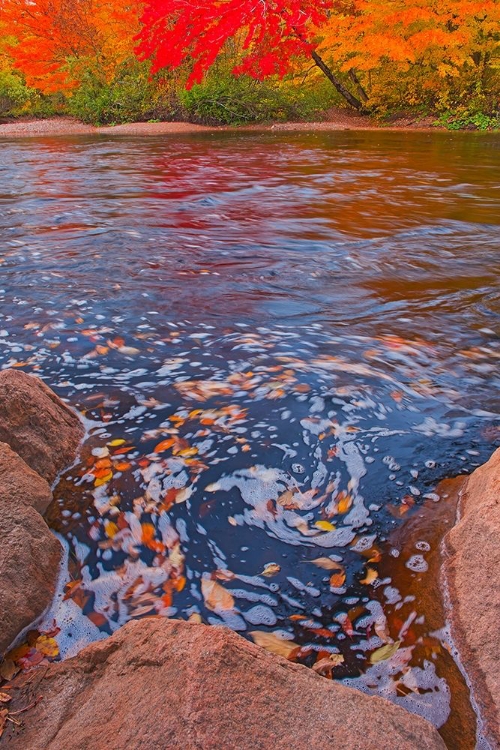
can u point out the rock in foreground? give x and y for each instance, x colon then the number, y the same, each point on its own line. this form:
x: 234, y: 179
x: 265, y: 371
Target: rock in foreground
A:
x: 29, y: 566
x: 37, y: 424
x: 473, y: 546
x: 161, y: 683
x: 21, y: 485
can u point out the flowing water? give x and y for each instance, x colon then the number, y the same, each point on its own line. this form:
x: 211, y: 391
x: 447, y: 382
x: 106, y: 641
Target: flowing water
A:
x: 280, y: 344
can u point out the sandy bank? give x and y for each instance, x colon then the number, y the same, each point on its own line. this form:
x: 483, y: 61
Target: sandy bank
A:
x: 69, y: 126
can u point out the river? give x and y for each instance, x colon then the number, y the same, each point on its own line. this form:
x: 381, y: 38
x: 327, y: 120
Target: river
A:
x: 280, y: 344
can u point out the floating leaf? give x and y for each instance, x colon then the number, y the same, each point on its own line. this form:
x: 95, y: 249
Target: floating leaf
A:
x: 337, y: 580
x: 216, y: 597
x: 325, y: 525
x: 274, y: 643
x: 104, y: 479
x: 371, y: 575
x: 384, y: 652
x: 115, y: 443
x: 344, y: 503
x: 164, y: 445
x: 326, y: 665
x: 326, y: 563
x: 111, y: 529
x: 271, y: 569
x: 286, y: 500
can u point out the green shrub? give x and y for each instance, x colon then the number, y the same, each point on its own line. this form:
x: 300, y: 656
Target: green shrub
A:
x: 130, y: 96
x: 13, y: 93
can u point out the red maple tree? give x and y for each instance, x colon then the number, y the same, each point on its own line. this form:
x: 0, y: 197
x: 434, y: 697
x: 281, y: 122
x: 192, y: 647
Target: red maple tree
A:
x: 274, y: 32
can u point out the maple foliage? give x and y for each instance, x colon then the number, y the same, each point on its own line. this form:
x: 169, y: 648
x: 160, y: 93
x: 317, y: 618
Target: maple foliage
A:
x: 58, y: 39
x: 274, y: 32
x: 438, y: 44
x: 366, y: 33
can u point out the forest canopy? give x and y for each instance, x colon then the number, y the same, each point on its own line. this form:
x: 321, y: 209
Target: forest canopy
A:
x: 239, y: 61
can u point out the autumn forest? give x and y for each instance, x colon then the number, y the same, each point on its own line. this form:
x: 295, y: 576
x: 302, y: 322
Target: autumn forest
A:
x: 236, y: 62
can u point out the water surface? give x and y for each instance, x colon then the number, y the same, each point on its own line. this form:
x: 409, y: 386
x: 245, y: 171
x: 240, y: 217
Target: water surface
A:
x: 281, y: 343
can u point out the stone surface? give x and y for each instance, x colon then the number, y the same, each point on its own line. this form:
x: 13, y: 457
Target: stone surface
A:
x: 161, y: 683
x: 19, y: 484
x: 472, y: 568
x: 29, y: 566
x: 37, y: 424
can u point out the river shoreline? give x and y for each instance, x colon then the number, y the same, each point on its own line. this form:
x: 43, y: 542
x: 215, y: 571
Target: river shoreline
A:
x: 338, y: 121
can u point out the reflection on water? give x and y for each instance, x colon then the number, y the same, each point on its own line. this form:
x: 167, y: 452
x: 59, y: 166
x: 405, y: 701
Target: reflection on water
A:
x: 280, y: 344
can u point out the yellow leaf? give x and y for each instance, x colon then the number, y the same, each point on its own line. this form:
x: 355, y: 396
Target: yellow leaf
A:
x: 271, y: 570
x: 216, y: 597
x: 47, y: 645
x: 104, y: 479
x: 384, y: 652
x: 325, y: 525
x: 274, y: 643
x: 371, y: 575
x: 111, y: 529
x: 117, y: 442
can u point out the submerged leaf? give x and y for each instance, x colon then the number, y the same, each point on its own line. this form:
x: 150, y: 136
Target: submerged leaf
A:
x: 326, y: 563
x: 216, y: 597
x: 384, y: 652
x: 274, y: 643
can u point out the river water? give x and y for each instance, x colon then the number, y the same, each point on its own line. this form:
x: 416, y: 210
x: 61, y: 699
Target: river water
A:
x: 280, y: 344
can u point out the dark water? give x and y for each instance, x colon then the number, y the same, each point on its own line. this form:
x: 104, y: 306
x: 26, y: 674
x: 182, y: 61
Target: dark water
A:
x: 281, y: 344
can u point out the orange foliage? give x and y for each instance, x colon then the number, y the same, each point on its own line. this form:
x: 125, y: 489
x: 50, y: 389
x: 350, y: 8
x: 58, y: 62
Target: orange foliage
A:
x: 57, y: 40
x: 449, y: 34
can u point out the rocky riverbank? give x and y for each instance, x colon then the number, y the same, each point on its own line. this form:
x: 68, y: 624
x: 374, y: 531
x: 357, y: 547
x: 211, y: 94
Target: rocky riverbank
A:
x: 160, y: 682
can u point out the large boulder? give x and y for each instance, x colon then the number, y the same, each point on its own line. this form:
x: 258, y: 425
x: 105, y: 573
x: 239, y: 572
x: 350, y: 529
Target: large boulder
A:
x: 472, y: 568
x: 37, y: 424
x: 161, y: 683
x: 29, y: 565
x: 21, y: 485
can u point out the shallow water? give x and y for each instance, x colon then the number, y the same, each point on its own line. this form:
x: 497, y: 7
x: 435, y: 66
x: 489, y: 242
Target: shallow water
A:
x: 281, y: 343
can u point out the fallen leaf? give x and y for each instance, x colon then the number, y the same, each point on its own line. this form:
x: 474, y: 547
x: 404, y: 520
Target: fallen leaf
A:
x: 216, y: 597
x: 8, y: 669
x: 325, y: 525
x: 344, y: 503
x: 326, y: 563
x: 384, y: 652
x: 5, y: 698
x: 3, y: 718
x: 164, y: 445
x: 271, y: 569
x: 115, y: 443
x: 371, y: 575
x: 337, y: 580
x: 111, y: 529
x: 328, y: 664
x: 47, y: 646
x: 274, y: 643
x: 286, y: 501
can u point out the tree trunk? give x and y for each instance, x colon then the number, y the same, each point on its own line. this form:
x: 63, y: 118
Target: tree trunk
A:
x: 343, y: 91
x: 354, y: 78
